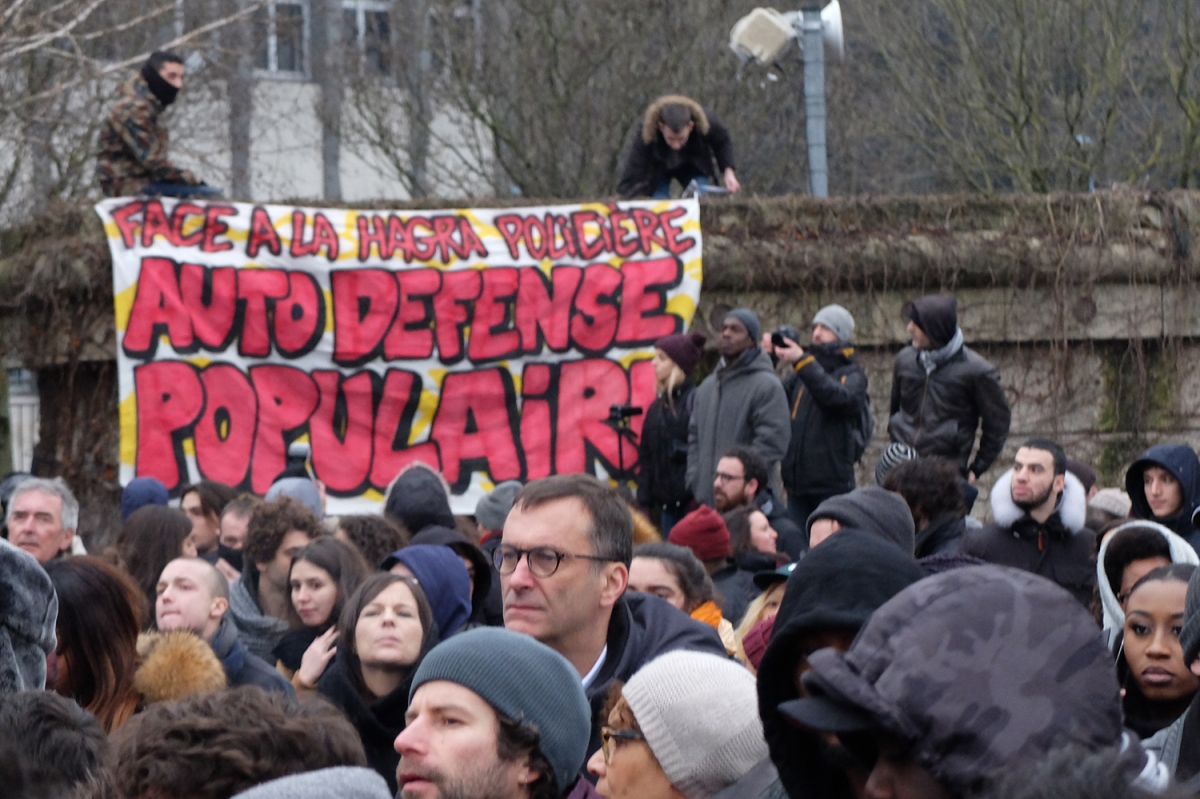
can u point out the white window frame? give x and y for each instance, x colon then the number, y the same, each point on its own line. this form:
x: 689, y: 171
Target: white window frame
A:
x: 272, y: 70
x: 360, y: 9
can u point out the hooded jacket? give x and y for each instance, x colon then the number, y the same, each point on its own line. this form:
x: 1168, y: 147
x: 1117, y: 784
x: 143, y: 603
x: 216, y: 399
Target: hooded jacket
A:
x: 341, y: 782
x: 970, y: 669
x: 1181, y: 461
x: 825, y: 394
x: 836, y: 586
x: 174, y: 665
x: 378, y: 723
x: 242, y: 667
x: 1114, y: 617
x: 708, y: 151
x: 941, y: 536
x: 443, y: 578
x: 28, y: 614
x: 487, y: 602
x: 1059, y: 549
x: 739, y: 403
x: 417, y: 499
x: 938, y: 412
x: 663, y: 451
x: 641, y: 628
x: 259, y: 632
x: 133, y: 145
x: 872, y: 510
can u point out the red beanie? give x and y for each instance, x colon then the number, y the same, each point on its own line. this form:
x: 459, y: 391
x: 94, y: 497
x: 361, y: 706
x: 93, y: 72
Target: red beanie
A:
x: 685, y: 350
x: 704, y: 532
x: 755, y: 642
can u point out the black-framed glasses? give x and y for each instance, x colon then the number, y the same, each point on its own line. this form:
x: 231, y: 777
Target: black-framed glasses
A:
x: 543, y: 561
x: 609, y: 735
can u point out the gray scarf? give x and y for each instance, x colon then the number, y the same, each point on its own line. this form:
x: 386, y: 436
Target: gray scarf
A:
x: 932, y: 359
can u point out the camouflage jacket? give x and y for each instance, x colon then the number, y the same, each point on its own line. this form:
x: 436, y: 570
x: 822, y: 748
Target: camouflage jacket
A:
x: 133, y: 145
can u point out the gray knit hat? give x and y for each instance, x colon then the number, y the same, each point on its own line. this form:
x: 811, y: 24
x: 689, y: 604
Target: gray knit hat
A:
x: 522, y: 679
x: 837, y: 319
x: 699, y: 713
x: 492, y: 510
x: 750, y: 319
x: 1189, y: 637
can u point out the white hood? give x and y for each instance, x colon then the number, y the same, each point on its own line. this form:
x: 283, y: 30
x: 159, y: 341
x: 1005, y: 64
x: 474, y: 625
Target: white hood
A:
x: 1114, y: 616
x: 1072, y: 505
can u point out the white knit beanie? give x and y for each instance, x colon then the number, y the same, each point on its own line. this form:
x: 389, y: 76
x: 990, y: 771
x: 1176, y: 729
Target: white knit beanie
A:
x: 699, y: 713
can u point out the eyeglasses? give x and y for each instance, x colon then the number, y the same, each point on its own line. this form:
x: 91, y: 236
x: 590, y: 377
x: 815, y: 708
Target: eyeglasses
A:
x: 729, y: 478
x: 608, y: 736
x: 543, y: 561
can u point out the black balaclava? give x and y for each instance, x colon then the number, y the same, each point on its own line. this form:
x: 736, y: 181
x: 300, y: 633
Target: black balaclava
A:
x: 164, y: 91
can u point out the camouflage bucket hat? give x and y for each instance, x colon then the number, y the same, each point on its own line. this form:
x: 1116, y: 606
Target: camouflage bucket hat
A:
x: 976, y: 669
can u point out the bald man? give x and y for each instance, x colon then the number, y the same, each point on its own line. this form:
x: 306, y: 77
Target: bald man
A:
x: 193, y: 595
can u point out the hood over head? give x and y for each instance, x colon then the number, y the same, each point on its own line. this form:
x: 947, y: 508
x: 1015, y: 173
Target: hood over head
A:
x: 140, y: 492
x: 835, y: 586
x: 976, y: 669
x: 443, y: 578
x: 873, y: 510
x: 936, y: 315
x: 417, y: 498
x: 1072, y: 503
x: 464, y: 548
x: 1114, y: 617
x: 654, y: 112
x: 1178, y: 459
x: 27, y: 623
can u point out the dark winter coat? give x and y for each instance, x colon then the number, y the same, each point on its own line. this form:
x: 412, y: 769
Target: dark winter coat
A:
x: 1060, y: 549
x: 378, y: 723
x: 941, y: 536
x: 760, y: 782
x: 825, y: 395
x: 133, y: 145
x: 939, y: 413
x: 735, y: 583
x: 241, y: 666
x: 1180, y: 460
x: 740, y: 403
x: 708, y: 152
x: 837, y: 586
x: 663, y: 451
x: 641, y: 628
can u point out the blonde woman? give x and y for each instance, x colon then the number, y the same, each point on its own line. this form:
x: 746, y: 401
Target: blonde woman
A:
x: 662, y: 481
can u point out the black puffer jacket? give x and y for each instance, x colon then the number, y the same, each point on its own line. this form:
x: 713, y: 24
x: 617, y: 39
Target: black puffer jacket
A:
x: 662, y: 453
x: 938, y: 413
x: 825, y: 395
x: 709, y: 150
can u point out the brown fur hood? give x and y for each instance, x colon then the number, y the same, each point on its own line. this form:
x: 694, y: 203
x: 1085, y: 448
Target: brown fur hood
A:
x: 174, y: 665
x: 650, y: 120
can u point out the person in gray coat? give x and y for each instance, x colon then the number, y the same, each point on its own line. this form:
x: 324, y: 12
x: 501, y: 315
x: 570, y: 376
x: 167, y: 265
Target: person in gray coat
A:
x: 741, y: 402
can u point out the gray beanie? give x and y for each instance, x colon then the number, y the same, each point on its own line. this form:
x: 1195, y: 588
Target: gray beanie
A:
x: 873, y: 510
x: 750, y: 319
x: 893, y: 456
x: 699, y: 713
x: 522, y: 679
x: 837, y: 319
x: 1189, y: 637
x: 492, y: 510
x: 338, y: 782
x: 298, y: 488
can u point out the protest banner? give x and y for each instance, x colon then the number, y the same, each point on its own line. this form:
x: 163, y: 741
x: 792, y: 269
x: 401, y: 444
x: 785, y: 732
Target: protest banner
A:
x: 490, y: 344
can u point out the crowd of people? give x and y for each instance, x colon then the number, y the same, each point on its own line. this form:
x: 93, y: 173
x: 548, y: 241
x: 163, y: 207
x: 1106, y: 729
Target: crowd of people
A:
x: 751, y: 624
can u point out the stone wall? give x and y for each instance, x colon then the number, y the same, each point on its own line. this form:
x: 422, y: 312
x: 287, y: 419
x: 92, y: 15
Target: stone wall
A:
x: 1083, y: 302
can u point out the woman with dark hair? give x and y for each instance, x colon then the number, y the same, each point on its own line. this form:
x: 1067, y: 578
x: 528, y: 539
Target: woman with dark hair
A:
x: 385, y: 629
x: 203, y: 502
x: 1158, y: 685
x: 152, y: 537
x: 323, y: 575
x: 97, y: 631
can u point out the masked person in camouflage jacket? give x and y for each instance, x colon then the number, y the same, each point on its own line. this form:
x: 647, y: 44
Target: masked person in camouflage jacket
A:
x: 133, y: 143
x: 965, y: 676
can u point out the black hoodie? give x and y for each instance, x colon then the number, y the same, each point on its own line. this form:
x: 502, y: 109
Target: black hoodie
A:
x: 418, y: 500
x: 487, y: 602
x: 1180, y: 460
x: 837, y: 586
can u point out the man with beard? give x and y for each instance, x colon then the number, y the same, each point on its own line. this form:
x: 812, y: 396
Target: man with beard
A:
x: 827, y: 394
x: 493, y: 714
x: 1039, y: 511
x: 742, y: 478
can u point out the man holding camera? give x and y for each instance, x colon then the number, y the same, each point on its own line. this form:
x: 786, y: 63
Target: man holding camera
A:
x: 741, y: 402
x: 829, y: 409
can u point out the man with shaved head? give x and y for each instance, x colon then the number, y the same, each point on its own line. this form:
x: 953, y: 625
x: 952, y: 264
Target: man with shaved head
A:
x: 194, y: 596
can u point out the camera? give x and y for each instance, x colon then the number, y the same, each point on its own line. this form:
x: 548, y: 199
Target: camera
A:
x: 619, y: 412
x: 785, y: 331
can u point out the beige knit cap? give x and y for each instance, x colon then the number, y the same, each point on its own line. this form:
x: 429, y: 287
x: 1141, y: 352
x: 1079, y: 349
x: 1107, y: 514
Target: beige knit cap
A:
x: 699, y: 713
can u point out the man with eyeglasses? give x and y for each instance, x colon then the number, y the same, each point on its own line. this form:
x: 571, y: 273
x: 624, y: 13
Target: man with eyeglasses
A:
x: 564, y: 566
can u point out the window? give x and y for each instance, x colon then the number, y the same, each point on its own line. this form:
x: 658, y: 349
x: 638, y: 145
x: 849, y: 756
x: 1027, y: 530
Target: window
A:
x: 366, y: 24
x: 280, y: 35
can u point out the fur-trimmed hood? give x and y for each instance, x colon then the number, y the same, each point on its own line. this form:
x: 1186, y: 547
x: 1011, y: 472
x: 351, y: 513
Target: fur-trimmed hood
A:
x: 1072, y: 503
x: 1114, y: 615
x: 654, y: 111
x: 27, y: 624
x: 174, y: 665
